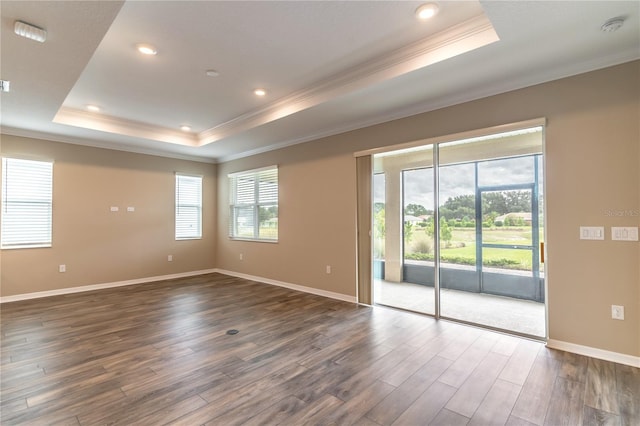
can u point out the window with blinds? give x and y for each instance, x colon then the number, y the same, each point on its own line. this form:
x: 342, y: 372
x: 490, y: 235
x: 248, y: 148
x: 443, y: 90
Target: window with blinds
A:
x: 253, y: 204
x: 27, y: 200
x: 188, y: 207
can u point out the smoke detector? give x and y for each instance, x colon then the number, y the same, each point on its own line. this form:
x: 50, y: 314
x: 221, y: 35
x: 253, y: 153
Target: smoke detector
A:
x: 612, y: 25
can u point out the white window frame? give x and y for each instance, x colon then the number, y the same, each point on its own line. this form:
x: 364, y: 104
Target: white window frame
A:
x: 27, y: 203
x: 267, y: 198
x: 184, y: 202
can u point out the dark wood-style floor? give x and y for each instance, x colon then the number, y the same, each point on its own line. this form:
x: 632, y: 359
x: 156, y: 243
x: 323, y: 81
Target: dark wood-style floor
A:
x: 159, y: 353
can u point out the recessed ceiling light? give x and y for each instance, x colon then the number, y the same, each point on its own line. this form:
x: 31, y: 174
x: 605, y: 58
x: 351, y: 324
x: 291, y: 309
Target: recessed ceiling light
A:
x: 185, y: 128
x: 260, y: 92
x: 212, y: 73
x: 426, y: 11
x: 612, y: 25
x: 146, y: 49
x: 30, y: 31
x: 93, y: 108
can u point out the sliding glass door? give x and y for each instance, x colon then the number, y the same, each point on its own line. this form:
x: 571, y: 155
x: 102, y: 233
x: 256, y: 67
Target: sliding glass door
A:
x: 491, y: 231
x: 418, y: 239
x: 457, y: 229
x: 403, y: 231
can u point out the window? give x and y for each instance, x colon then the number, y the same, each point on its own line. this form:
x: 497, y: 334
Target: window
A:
x: 27, y: 188
x: 188, y: 207
x: 254, y: 204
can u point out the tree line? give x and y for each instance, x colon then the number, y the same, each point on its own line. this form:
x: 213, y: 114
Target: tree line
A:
x: 457, y: 208
x: 461, y: 210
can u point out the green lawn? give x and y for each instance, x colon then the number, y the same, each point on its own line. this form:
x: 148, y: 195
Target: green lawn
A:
x: 462, y: 248
x: 268, y: 232
x: 508, y: 235
x: 490, y: 255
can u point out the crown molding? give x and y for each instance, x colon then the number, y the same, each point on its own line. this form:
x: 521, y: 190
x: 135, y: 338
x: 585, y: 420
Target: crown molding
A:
x: 110, y: 124
x: 481, y: 92
x: 459, y: 39
x: 503, y: 86
x: 464, y: 37
x: 52, y: 137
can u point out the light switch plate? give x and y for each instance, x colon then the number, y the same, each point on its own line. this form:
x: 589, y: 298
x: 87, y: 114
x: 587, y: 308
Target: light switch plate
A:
x: 592, y: 232
x: 617, y: 312
x: 624, y: 233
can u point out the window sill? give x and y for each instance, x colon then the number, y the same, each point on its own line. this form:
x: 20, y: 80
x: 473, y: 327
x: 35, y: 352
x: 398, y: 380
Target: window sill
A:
x: 25, y: 247
x: 254, y: 240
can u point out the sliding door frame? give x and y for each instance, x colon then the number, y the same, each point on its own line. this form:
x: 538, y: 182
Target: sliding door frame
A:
x: 364, y: 218
x: 364, y: 173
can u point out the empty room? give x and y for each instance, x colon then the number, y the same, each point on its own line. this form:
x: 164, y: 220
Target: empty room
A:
x: 320, y: 212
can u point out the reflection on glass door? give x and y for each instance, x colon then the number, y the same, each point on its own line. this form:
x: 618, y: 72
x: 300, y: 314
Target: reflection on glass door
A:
x: 403, y: 236
x: 378, y: 233
x: 418, y: 270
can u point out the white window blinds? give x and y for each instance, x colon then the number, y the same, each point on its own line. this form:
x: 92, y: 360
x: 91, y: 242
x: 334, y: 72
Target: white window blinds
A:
x: 188, y: 207
x: 27, y: 197
x: 253, y: 204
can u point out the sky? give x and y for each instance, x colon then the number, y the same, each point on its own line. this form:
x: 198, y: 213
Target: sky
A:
x: 459, y: 179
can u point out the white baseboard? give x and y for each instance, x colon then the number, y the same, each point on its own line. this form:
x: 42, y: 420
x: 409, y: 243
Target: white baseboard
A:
x: 625, y: 359
x: 304, y: 289
x: 39, y: 294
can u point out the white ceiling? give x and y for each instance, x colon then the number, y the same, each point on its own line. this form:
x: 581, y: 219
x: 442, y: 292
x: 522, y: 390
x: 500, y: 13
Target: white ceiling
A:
x: 328, y: 66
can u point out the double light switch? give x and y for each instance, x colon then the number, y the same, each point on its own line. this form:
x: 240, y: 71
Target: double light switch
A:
x: 592, y: 232
x: 624, y: 233
x: 618, y: 233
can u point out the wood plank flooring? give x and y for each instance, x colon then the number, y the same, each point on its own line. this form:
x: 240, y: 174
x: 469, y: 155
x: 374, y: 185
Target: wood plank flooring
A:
x: 158, y: 353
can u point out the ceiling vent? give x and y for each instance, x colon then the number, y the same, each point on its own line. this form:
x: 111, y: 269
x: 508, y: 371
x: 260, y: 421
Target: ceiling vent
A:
x: 612, y: 25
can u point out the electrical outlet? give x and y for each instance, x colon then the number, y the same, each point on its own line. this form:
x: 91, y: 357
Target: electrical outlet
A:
x: 617, y: 312
x: 62, y: 268
x: 241, y: 256
x: 328, y: 269
x: 170, y: 258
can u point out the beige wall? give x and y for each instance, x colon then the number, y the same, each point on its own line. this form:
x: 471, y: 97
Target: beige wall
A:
x: 96, y: 245
x: 592, y: 162
x: 317, y: 217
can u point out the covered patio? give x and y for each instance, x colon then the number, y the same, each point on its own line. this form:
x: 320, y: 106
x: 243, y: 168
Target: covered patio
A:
x: 521, y: 316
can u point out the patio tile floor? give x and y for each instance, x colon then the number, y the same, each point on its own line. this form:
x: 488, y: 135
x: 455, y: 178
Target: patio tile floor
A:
x: 522, y: 316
